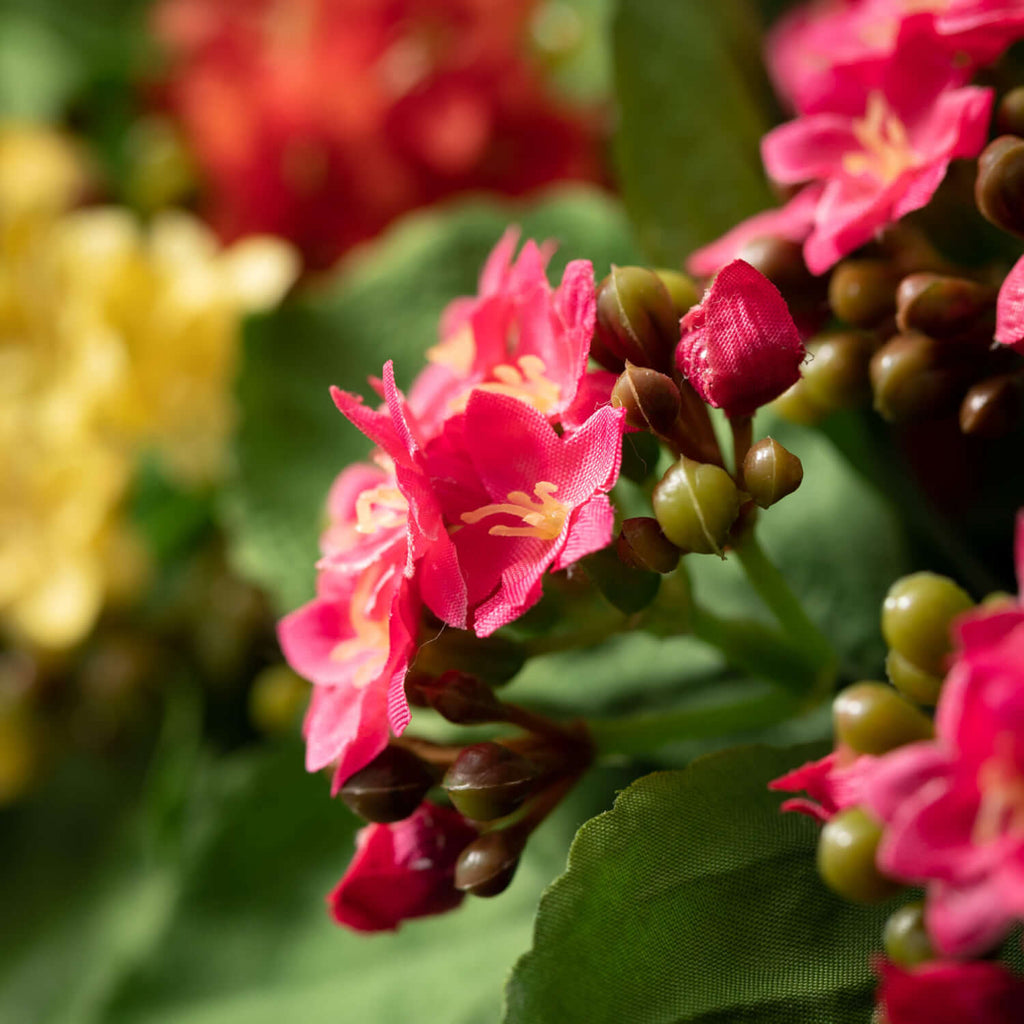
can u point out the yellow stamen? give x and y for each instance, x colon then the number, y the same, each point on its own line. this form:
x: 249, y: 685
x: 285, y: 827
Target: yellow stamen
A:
x: 544, y: 518
x: 887, y: 152
x: 456, y: 352
x: 527, y: 383
x: 380, y: 508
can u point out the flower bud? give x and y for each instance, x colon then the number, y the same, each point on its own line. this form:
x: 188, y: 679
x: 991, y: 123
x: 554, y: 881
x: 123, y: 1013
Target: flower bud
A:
x: 494, y: 659
x: 642, y: 545
x: 836, y: 375
x: 488, y: 781
x: 846, y: 858
x: 911, y: 377
x: 916, y: 617
x: 487, y: 865
x: 695, y: 505
x: 636, y: 319
x: 798, y: 405
x: 650, y: 399
x: 456, y: 696
x: 905, y: 938
x: 942, y: 306
x: 682, y: 290
x: 780, y: 260
x: 999, y: 188
x: 872, y: 718
x: 770, y: 472
x: 863, y: 292
x: 626, y: 587
x: 993, y: 407
x: 914, y: 683
x: 389, y: 788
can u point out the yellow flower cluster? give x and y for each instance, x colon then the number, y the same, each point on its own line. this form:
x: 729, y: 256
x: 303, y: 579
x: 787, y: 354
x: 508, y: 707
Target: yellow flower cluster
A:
x: 115, y: 338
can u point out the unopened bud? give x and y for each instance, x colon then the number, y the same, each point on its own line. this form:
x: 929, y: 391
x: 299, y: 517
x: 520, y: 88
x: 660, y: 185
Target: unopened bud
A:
x: 863, y: 292
x: 636, y: 318
x: 487, y: 865
x: 941, y: 306
x: 642, y: 545
x: 779, y: 259
x: 628, y: 588
x: 993, y: 407
x: 999, y: 188
x: 798, y: 405
x: 389, y: 788
x: 872, y: 718
x: 695, y: 505
x: 494, y: 659
x: 836, y: 374
x: 681, y: 289
x: 650, y: 399
x: 905, y: 937
x: 456, y: 696
x: 912, y: 377
x: 1010, y: 113
x: 846, y: 858
x: 488, y: 781
x: 770, y: 472
x: 914, y: 683
x: 916, y: 616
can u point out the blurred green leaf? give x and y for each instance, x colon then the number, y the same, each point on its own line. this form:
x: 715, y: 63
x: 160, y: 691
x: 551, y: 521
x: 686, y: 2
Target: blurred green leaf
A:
x: 694, y: 900
x: 693, y: 105
x: 385, y: 305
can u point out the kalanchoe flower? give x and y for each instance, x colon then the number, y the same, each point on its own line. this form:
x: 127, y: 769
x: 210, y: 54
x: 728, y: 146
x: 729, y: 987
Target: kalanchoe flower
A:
x: 954, y: 808
x: 832, y: 784
x: 951, y: 993
x: 884, y: 145
x: 1010, y: 309
x: 402, y: 870
x: 739, y: 347
x: 518, y: 337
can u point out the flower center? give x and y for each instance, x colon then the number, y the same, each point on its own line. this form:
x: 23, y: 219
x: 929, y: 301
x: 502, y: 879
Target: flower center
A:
x: 886, y: 151
x: 525, y: 382
x: 456, y: 351
x: 544, y: 518
x: 369, y: 646
x: 1001, y: 810
x: 380, y: 508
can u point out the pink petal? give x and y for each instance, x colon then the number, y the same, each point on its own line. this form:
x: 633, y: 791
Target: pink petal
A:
x: 589, y: 530
x: 1010, y: 311
x: 969, y: 920
x: 808, y: 149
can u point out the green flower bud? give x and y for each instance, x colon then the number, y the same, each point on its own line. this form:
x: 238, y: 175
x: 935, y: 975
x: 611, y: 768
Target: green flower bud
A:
x: 1010, y: 113
x: 863, y: 292
x: 999, y: 188
x: 836, y: 374
x: 872, y: 718
x: 941, y: 306
x: 846, y: 858
x: 636, y: 319
x: 695, y: 505
x: 911, y: 378
x: 650, y: 398
x: 770, y: 472
x: 494, y: 659
x: 905, y: 938
x: 681, y: 289
x: 389, y: 788
x: 628, y: 588
x: 488, y: 781
x: 456, y: 696
x: 993, y: 407
x: 914, y: 683
x: 487, y: 865
x: 642, y: 545
x: 798, y: 405
x: 916, y: 617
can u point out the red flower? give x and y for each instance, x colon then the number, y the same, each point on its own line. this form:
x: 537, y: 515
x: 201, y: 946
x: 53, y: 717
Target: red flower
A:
x: 402, y: 870
x: 832, y: 784
x: 1010, y: 309
x: 951, y: 993
x: 740, y: 347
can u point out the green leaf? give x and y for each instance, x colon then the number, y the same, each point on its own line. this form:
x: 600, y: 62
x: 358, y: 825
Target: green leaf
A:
x: 292, y: 441
x: 695, y: 900
x: 693, y: 105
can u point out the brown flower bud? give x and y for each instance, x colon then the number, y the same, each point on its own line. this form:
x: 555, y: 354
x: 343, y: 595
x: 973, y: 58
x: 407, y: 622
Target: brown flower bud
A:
x: 456, y: 696
x: 999, y: 188
x: 636, y: 318
x: 770, y: 472
x: 943, y: 307
x: 389, y: 788
x: 993, y: 407
x: 488, y: 781
x: 642, y: 545
x: 487, y: 865
x: 780, y: 260
x: 836, y: 374
x: 863, y: 292
x: 650, y: 399
x: 624, y: 586
x: 911, y: 378
x: 494, y: 659
x: 1010, y: 113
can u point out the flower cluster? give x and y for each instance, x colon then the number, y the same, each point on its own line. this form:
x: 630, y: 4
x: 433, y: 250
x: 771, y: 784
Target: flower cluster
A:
x: 322, y: 120
x: 113, y: 340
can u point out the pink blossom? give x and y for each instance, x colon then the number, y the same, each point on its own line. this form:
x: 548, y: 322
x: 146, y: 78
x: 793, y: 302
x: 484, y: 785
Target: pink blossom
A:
x: 518, y: 337
x: 1010, y: 309
x: 954, y: 807
x: 951, y: 993
x: 402, y: 870
x: 791, y: 222
x: 521, y: 499
x: 832, y: 784
x: 884, y: 144
x: 739, y: 347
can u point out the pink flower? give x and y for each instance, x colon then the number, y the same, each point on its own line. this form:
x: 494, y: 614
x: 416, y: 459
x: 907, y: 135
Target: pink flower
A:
x: 951, y: 993
x: 792, y: 222
x: 402, y: 870
x: 832, y: 784
x: 1010, y: 309
x: 884, y: 146
x: 518, y: 337
x: 740, y: 348
x: 954, y: 807
x: 521, y: 499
